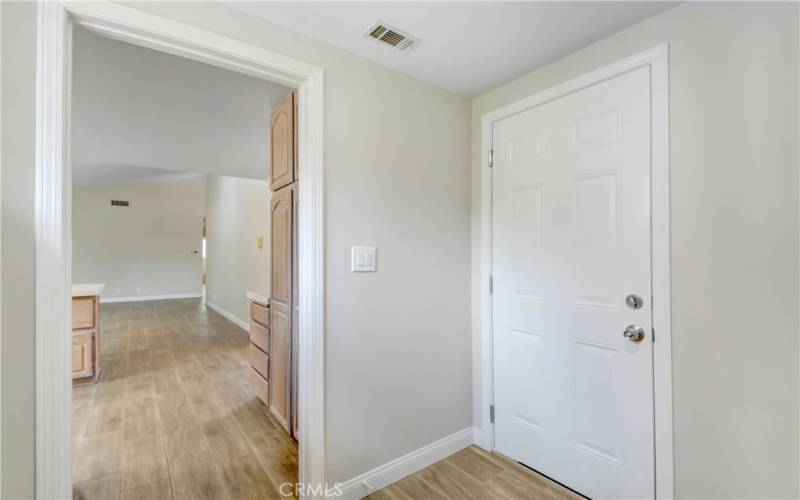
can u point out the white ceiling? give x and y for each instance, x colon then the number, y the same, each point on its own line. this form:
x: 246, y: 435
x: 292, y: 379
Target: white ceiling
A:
x: 144, y: 115
x: 467, y: 47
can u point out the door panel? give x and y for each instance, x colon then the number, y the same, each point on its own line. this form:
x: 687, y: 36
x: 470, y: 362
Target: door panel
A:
x: 283, y: 143
x: 82, y: 354
x: 281, y: 303
x: 571, y: 238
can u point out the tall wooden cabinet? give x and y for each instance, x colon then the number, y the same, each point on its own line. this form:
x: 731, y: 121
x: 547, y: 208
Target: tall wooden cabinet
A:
x: 283, y: 295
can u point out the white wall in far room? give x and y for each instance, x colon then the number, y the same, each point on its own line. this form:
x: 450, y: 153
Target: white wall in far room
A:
x: 238, y: 213
x: 143, y: 250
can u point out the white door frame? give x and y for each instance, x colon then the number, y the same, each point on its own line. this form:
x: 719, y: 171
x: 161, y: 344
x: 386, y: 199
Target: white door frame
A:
x: 657, y: 59
x: 53, y: 225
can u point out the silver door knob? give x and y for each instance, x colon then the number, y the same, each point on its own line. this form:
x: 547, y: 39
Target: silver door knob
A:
x: 634, y: 333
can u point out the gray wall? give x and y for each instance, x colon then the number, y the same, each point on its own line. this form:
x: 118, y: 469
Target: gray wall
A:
x: 18, y: 136
x: 238, y: 213
x: 734, y: 209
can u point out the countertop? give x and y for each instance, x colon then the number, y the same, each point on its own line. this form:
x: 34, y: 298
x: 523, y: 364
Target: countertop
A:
x: 258, y: 298
x: 88, y: 289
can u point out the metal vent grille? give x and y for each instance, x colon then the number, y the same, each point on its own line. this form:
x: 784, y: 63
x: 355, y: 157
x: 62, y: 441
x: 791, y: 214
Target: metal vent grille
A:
x: 391, y: 36
x: 119, y: 203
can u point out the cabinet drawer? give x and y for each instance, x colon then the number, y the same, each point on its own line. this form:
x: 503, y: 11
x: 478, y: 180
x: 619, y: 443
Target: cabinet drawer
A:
x: 259, y: 314
x: 259, y: 360
x: 82, y: 312
x: 259, y: 336
x: 260, y: 386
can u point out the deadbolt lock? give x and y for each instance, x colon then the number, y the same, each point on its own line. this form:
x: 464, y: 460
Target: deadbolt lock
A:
x: 634, y: 301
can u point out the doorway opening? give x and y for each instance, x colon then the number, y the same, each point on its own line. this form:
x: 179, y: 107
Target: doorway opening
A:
x: 180, y: 368
x: 53, y: 395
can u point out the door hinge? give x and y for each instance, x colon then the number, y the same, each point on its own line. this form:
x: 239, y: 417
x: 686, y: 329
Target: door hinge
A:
x: 491, y: 284
x: 491, y: 158
x: 491, y: 414
x: 653, y: 333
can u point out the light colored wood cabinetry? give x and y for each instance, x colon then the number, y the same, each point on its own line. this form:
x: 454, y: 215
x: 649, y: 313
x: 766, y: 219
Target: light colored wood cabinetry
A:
x: 86, y: 333
x: 259, y: 350
x: 283, y: 314
x: 281, y: 303
x: 82, y: 354
x: 283, y: 137
x: 259, y: 336
x: 259, y: 314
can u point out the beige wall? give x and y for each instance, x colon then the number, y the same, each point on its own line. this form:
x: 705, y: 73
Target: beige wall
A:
x: 734, y: 210
x: 17, y: 149
x: 238, y: 213
x: 145, y: 249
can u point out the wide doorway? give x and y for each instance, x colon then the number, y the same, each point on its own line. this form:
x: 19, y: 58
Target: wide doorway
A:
x: 184, y: 378
x: 572, y: 308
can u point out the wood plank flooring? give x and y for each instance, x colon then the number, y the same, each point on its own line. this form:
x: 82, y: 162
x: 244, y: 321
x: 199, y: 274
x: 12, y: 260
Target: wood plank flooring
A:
x: 173, y: 415
x: 473, y: 474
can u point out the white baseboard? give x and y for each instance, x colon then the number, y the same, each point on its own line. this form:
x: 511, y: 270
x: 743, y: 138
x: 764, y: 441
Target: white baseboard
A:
x: 142, y: 298
x: 386, y: 474
x: 244, y: 325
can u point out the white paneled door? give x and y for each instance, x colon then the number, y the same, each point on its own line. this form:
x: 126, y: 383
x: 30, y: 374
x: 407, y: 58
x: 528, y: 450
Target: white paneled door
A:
x: 573, y: 391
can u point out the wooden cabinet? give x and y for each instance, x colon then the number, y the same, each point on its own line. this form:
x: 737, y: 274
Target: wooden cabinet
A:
x: 86, y: 333
x: 283, y: 313
x: 283, y: 136
x: 281, y: 303
x: 258, y: 353
x: 82, y: 355
x: 259, y: 313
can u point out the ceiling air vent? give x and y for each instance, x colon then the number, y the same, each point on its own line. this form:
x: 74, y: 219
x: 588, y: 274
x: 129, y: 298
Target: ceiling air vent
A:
x: 119, y: 203
x: 391, y: 36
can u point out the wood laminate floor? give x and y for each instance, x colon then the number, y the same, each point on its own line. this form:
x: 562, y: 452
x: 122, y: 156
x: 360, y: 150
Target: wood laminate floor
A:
x: 474, y: 474
x: 173, y: 415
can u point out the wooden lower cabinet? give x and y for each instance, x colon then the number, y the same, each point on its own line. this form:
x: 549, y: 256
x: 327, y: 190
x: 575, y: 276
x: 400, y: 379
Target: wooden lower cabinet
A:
x: 259, y: 348
x: 82, y: 354
x: 85, y: 339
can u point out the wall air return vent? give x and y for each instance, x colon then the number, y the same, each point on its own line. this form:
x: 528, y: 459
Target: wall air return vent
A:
x: 391, y: 36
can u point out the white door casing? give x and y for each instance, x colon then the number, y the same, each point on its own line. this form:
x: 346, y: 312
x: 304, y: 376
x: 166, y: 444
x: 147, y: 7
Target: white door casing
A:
x: 571, y: 239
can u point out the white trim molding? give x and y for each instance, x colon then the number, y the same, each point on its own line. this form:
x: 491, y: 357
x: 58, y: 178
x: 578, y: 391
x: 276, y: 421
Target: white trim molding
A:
x: 53, y: 225
x: 657, y: 59
x: 388, y: 473
x: 244, y: 325
x: 145, y: 298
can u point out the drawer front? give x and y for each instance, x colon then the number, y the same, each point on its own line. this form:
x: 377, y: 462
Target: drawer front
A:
x: 259, y: 336
x: 259, y: 314
x: 82, y: 312
x: 259, y: 361
x: 260, y: 386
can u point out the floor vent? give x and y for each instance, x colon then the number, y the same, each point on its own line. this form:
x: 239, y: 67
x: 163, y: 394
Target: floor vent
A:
x: 389, y: 35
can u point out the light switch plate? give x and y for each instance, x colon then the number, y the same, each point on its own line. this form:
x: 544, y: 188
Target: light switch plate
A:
x: 363, y: 260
